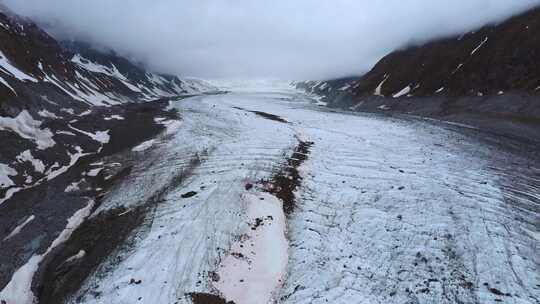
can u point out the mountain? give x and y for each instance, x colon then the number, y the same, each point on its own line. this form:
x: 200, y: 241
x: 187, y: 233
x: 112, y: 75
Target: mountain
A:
x: 60, y: 101
x: 487, y: 78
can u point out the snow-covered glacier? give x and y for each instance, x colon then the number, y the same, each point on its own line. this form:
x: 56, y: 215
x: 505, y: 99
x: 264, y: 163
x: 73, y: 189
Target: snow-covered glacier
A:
x: 382, y: 210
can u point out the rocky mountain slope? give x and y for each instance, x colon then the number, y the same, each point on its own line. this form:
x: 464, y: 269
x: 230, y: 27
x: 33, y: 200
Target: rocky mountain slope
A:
x: 64, y: 109
x: 487, y: 78
x: 48, y: 91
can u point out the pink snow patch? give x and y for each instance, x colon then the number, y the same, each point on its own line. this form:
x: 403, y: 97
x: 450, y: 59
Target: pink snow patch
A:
x: 257, y: 263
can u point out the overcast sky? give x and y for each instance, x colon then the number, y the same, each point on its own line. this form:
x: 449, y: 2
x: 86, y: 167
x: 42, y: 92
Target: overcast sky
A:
x: 288, y: 39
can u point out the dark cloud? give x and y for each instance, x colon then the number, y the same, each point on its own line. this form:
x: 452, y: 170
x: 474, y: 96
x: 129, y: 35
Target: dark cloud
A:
x: 292, y: 39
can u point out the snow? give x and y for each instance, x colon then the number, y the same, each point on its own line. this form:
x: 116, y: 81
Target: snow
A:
x: 52, y: 173
x: 26, y: 127
x: 5, y: 172
x: 480, y: 45
x: 98, y: 68
x: 77, y: 256
x: 171, y: 126
x: 384, y: 107
x: 94, y: 172
x: 65, y: 133
x: 457, y: 68
x: 387, y: 207
x: 144, y: 146
x: 27, y: 156
x: 18, y: 290
x: 85, y: 113
x: 255, y: 277
x: 117, y: 117
x: 100, y: 136
x: 403, y: 92
x: 73, y: 186
x: 68, y: 110
x: 8, y: 67
x: 19, y: 228
x: 46, y: 114
x: 378, y: 89
x: 440, y: 90
x: 345, y: 87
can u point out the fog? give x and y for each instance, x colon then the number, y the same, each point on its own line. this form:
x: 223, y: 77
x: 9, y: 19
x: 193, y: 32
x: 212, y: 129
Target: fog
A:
x: 284, y: 39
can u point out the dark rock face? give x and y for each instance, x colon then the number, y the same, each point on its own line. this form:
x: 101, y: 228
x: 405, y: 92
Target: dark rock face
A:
x: 487, y: 78
x: 496, y: 58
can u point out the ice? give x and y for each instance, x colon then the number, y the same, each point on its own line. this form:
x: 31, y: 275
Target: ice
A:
x: 26, y: 127
x: 388, y: 211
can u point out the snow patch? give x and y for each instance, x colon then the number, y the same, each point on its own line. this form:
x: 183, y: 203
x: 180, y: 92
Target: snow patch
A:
x: 73, y: 186
x: 94, y: 172
x: 18, y: 290
x: 19, y: 228
x: 378, y: 89
x: 458, y: 68
x: 77, y: 256
x: 100, y: 136
x: 46, y: 114
x: 28, y: 128
x: 117, y: 117
x: 403, y: 92
x: 5, y: 172
x: 11, y: 69
x: 479, y: 46
x: 27, y: 156
x: 51, y: 173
